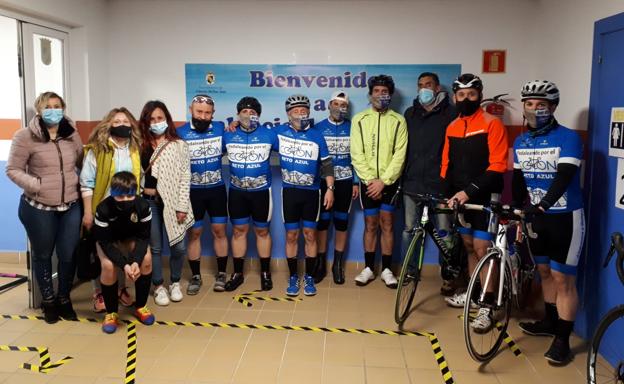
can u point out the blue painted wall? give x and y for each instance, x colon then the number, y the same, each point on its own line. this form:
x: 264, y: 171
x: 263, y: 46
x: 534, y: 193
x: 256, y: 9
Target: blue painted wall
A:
x: 13, y: 236
x: 599, y: 288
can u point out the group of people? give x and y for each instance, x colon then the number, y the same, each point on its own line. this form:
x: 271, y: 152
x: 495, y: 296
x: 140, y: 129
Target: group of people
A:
x: 135, y: 180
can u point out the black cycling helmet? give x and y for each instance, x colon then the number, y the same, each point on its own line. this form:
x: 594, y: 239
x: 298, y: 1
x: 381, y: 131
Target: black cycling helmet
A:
x: 383, y: 80
x: 249, y: 102
x: 468, y: 80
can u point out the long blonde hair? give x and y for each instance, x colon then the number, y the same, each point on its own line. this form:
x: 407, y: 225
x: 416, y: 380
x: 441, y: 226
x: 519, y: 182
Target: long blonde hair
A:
x: 98, y: 139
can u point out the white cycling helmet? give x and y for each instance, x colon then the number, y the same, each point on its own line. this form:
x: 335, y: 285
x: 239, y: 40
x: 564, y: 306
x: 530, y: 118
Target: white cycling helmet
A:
x: 540, y: 89
x: 297, y: 101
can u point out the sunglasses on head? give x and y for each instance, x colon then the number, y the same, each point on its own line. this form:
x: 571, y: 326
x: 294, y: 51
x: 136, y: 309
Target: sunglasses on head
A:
x: 203, y: 99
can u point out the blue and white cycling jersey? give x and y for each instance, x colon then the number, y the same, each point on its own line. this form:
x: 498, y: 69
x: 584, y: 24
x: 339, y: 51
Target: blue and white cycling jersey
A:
x: 206, y: 151
x: 538, y: 158
x: 249, y: 154
x: 337, y: 137
x: 300, y: 154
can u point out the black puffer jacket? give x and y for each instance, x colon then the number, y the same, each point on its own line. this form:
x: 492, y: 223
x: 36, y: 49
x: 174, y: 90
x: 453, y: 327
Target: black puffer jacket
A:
x: 426, y: 131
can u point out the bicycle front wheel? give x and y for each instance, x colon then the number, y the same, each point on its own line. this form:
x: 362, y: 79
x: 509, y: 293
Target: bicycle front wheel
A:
x: 409, y: 278
x: 482, y: 341
x: 605, y: 360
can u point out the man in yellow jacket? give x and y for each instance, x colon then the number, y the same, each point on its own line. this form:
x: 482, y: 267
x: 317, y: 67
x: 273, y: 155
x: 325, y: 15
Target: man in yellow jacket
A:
x: 378, y: 146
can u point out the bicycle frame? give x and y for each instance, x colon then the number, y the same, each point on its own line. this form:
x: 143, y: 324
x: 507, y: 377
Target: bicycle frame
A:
x: 427, y: 227
x: 501, y: 247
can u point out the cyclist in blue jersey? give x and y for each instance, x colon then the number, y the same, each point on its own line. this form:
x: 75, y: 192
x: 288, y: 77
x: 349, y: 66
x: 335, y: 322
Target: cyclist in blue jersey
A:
x: 248, y: 150
x: 205, y: 141
x: 336, y: 129
x: 304, y: 160
x: 547, y: 162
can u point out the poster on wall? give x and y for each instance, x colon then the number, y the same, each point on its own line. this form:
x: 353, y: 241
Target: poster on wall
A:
x: 616, y: 133
x: 619, y: 185
x: 272, y: 84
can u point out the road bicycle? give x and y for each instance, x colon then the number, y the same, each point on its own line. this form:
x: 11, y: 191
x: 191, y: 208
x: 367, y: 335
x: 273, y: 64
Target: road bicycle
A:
x: 505, y: 289
x: 413, y: 260
x: 605, y: 360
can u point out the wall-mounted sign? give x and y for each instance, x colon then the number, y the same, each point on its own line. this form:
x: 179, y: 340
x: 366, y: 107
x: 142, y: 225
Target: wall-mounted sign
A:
x: 494, y: 61
x: 616, y: 132
x: 619, y: 185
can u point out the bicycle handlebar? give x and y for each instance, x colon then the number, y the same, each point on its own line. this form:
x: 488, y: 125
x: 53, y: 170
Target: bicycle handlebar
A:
x: 617, y: 245
x: 503, y: 212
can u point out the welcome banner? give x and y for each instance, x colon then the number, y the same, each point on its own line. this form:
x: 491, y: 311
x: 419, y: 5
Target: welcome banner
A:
x: 272, y: 84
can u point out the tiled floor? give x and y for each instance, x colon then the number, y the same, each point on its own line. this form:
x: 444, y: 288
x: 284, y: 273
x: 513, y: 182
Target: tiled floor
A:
x: 175, y: 354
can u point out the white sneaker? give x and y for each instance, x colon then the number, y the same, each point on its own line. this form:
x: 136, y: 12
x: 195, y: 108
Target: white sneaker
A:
x: 388, y: 277
x: 161, y: 297
x: 458, y: 300
x: 365, y: 277
x: 483, y: 322
x: 175, y: 293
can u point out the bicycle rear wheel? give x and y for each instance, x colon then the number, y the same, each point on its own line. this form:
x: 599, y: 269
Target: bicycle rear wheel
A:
x: 483, y: 345
x: 605, y: 360
x: 409, y: 278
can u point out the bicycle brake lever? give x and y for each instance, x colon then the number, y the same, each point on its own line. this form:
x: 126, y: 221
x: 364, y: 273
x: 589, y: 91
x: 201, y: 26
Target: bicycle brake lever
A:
x: 529, y: 227
x: 609, y: 256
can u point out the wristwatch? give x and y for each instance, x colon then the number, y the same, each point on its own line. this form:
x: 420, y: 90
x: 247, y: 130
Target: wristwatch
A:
x: 331, y: 187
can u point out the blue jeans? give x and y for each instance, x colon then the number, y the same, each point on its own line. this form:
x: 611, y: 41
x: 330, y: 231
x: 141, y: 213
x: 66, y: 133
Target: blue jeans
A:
x: 47, y: 231
x: 178, y: 250
x: 413, y: 214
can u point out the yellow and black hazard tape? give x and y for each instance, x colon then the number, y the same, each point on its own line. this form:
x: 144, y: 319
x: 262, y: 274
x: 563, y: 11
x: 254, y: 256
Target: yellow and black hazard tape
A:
x: 513, y: 346
x: 33, y: 317
x: 509, y: 341
x: 132, y: 340
x: 247, y: 298
x: 290, y: 328
x: 44, y: 358
x: 131, y: 360
x: 440, y: 360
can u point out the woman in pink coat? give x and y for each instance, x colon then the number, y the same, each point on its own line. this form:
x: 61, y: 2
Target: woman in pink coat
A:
x: 44, y: 161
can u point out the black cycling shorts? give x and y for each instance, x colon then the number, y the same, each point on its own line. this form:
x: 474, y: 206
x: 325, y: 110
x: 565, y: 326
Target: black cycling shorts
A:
x: 300, y: 205
x: 212, y: 200
x: 371, y: 207
x: 479, y: 222
x: 257, y: 204
x: 339, y: 212
x: 559, y: 240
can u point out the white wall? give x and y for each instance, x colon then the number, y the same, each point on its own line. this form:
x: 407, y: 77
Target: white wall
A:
x: 87, y: 21
x: 565, y: 42
x: 152, y: 40
x: 126, y: 52
x: 10, y: 101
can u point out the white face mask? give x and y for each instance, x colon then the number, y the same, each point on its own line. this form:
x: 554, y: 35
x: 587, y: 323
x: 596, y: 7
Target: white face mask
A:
x: 159, y: 128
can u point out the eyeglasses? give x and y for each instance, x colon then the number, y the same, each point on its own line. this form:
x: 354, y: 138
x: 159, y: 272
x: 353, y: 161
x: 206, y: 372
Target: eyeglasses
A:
x: 203, y: 99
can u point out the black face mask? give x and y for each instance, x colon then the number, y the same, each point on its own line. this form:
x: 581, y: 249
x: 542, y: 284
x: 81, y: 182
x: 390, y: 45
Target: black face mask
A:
x: 201, y: 125
x: 467, y: 107
x: 122, y: 131
x: 125, y: 206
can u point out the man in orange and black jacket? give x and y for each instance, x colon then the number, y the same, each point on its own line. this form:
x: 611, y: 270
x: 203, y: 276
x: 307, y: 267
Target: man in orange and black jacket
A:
x: 474, y: 160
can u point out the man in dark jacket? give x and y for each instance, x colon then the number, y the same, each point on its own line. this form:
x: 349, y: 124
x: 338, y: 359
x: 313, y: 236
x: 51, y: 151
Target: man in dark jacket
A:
x: 426, y: 120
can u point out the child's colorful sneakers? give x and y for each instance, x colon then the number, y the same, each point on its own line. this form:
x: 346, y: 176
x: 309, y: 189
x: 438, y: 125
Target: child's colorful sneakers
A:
x: 144, y: 315
x: 111, y: 322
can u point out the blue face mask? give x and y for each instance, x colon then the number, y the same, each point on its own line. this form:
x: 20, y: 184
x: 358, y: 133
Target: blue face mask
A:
x: 384, y: 101
x: 159, y: 128
x: 52, y: 116
x: 425, y: 96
